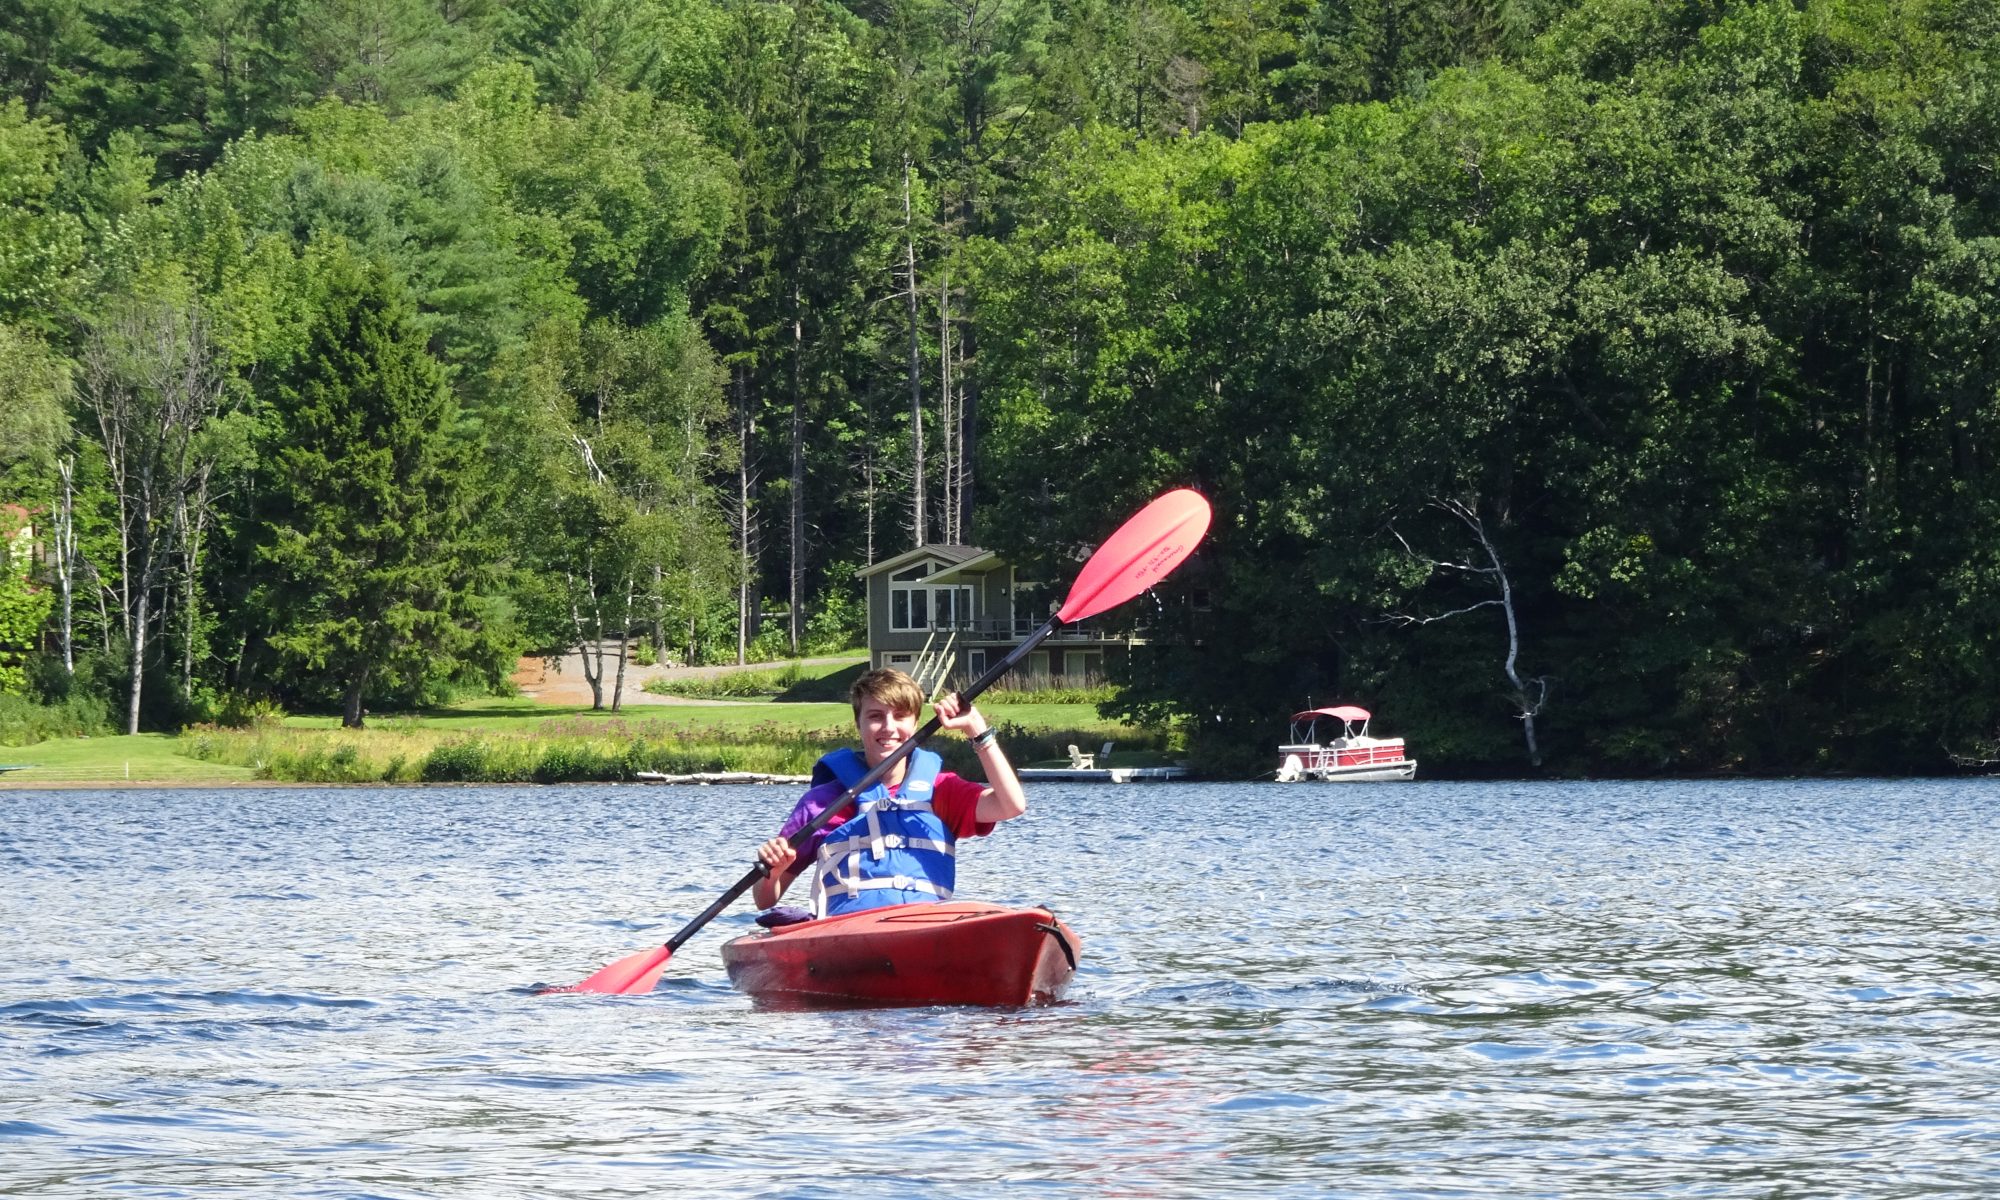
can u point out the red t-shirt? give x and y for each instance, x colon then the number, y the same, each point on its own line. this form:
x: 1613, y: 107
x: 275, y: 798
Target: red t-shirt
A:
x: 954, y: 799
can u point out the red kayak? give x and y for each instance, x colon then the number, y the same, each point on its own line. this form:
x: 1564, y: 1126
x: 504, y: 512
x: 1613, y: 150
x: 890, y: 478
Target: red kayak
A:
x: 957, y: 952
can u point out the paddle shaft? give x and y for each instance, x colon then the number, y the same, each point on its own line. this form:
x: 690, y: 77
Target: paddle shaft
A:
x: 873, y: 777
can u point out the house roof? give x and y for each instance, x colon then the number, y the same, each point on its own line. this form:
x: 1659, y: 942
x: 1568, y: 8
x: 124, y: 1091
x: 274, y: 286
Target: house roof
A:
x: 953, y: 558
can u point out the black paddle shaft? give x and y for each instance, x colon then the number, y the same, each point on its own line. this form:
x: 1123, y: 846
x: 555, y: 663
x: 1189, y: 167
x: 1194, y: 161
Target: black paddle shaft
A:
x: 873, y: 777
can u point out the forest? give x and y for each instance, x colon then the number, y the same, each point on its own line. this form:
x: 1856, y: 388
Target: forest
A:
x: 1586, y: 386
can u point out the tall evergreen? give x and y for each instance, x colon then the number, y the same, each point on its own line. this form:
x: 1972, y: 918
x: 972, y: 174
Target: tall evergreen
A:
x: 363, y: 530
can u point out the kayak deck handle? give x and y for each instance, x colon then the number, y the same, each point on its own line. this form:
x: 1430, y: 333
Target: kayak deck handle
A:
x: 1055, y: 931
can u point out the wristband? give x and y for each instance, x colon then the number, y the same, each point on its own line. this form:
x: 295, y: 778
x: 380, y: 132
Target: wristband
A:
x: 985, y: 737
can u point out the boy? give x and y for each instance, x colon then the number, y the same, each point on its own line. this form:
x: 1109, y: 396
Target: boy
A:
x: 897, y: 844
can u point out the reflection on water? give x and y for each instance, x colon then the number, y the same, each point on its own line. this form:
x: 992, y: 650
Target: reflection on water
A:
x: 1392, y: 990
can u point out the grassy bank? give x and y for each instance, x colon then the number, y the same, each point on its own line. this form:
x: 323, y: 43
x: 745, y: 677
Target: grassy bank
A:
x: 145, y: 759
x: 517, y: 741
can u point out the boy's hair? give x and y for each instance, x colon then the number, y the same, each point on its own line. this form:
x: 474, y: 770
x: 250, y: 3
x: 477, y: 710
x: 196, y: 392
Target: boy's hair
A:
x: 896, y: 691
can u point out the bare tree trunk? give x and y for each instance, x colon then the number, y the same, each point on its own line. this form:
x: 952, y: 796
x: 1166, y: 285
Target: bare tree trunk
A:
x: 945, y: 381
x: 187, y: 597
x: 137, y: 659
x: 918, y: 526
x: 624, y: 645
x: 658, y: 624
x: 65, y: 531
x: 746, y: 530
x: 351, y: 714
x: 1868, y: 420
x: 593, y: 673
x: 868, y: 488
x: 1530, y: 695
x: 797, y: 569
x: 1528, y: 710
x: 593, y: 654
x: 968, y: 419
x: 194, y: 524
x: 975, y: 116
x: 138, y: 583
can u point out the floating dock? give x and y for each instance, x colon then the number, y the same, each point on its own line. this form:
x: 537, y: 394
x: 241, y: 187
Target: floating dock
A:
x: 1102, y: 774
x: 708, y: 777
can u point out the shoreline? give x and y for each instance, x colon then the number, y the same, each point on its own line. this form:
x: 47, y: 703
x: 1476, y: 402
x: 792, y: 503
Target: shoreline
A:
x: 507, y: 742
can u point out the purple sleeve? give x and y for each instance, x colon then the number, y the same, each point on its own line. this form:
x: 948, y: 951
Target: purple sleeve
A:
x: 809, y: 806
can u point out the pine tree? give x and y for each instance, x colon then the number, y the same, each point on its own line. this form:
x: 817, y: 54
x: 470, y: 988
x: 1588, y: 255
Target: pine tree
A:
x: 364, y: 532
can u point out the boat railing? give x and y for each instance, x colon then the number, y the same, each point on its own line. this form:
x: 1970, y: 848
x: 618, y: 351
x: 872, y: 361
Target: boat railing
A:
x: 1342, y: 752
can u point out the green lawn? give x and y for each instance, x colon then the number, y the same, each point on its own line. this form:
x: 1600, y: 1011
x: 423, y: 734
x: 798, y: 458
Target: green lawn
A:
x: 408, y: 738
x: 144, y: 758
x: 494, y: 714
x: 515, y: 715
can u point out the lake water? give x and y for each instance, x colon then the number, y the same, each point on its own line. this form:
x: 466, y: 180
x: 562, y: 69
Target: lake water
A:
x: 1632, y: 990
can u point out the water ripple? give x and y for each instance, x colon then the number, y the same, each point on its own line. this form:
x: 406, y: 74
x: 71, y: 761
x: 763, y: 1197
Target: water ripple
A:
x: 1632, y: 990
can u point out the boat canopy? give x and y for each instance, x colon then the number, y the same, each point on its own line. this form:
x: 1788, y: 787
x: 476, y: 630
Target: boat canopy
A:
x: 1344, y: 712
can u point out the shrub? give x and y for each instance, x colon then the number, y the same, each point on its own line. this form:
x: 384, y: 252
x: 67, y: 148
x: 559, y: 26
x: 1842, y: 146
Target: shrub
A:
x: 454, y: 762
x: 24, y: 722
x: 774, y: 642
x: 839, y: 618
x: 235, y: 710
x: 1047, y: 693
x: 573, y: 763
x: 730, y: 685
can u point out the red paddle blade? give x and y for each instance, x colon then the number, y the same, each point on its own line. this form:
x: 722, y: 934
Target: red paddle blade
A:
x: 633, y: 975
x: 1143, y: 551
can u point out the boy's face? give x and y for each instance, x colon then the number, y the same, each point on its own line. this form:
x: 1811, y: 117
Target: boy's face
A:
x: 882, y: 729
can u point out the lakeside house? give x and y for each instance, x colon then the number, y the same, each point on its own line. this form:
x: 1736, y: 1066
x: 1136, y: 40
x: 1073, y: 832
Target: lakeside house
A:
x: 952, y: 611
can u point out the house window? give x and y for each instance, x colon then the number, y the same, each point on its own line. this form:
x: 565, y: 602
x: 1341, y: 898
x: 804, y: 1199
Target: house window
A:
x: 1082, y: 668
x: 975, y: 663
x: 1031, y: 605
x: 928, y: 607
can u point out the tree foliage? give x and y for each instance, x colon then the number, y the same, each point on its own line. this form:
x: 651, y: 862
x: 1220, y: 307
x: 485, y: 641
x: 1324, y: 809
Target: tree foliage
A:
x: 1678, y: 319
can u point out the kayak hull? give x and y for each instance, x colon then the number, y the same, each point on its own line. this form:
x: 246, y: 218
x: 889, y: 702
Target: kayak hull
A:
x: 955, y: 953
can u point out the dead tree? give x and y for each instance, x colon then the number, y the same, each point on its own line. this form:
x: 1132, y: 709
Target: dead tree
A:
x: 152, y: 378
x: 1529, y: 695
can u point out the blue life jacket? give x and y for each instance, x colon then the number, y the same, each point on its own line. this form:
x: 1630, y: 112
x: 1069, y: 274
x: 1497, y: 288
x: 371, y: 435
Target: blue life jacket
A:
x: 892, y: 850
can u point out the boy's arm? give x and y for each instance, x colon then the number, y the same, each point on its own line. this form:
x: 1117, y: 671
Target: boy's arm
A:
x: 778, y: 855
x: 1003, y: 799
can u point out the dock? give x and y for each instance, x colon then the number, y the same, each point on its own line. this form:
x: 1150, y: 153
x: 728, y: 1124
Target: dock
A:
x: 1102, y: 774
x: 708, y: 777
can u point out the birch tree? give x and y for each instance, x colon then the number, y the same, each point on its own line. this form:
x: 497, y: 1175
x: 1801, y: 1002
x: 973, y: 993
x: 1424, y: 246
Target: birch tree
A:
x: 152, y: 378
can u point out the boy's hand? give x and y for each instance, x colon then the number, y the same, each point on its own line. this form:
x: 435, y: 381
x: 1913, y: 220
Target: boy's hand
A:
x: 970, y: 723
x: 776, y: 855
